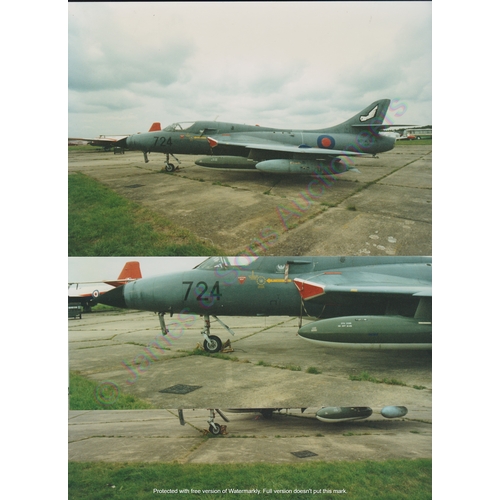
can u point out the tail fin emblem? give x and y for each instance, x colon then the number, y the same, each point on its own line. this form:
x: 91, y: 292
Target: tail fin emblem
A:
x: 371, y: 114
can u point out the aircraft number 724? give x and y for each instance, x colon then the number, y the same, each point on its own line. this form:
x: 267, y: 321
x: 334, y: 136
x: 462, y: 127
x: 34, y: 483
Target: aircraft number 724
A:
x: 202, y: 287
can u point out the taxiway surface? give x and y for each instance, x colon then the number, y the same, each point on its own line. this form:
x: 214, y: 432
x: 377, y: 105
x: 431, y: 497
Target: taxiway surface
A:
x: 293, y: 437
x: 384, y: 210
x: 271, y: 366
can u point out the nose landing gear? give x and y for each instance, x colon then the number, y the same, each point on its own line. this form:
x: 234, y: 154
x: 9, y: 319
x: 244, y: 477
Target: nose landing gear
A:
x: 213, y: 343
x: 170, y: 167
x: 213, y: 427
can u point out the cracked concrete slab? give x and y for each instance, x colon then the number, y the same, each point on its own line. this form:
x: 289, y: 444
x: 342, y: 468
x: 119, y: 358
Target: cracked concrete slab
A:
x: 278, y: 215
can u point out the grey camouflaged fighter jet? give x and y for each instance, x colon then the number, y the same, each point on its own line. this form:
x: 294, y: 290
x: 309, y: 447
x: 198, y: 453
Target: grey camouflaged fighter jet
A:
x: 366, y: 302
x: 282, y: 151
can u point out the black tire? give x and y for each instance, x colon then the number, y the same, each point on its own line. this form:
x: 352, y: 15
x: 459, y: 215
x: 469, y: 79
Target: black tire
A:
x: 215, y: 429
x: 215, y: 344
x: 169, y: 167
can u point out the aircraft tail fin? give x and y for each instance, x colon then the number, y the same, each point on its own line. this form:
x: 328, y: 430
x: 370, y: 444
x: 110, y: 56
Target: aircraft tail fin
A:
x: 155, y: 127
x: 131, y: 270
x: 372, y: 117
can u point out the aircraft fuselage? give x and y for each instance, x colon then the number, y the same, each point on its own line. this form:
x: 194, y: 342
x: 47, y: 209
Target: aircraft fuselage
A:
x: 264, y: 286
x: 194, y: 140
x: 375, y: 302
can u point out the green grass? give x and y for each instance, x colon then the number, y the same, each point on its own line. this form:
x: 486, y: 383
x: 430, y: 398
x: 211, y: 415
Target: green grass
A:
x: 415, y: 142
x: 85, y: 394
x: 100, y: 222
x: 387, y: 480
x: 104, y: 308
x: 314, y: 370
x: 85, y: 149
x: 366, y: 377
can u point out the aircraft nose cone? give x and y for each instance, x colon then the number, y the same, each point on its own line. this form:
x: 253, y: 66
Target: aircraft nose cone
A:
x: 113, y: 298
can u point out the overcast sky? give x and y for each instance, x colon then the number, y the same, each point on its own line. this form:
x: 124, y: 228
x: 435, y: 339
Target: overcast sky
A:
x: 285, y: 64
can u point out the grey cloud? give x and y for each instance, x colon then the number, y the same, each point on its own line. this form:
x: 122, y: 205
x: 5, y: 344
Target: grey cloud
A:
x: 103, y: 67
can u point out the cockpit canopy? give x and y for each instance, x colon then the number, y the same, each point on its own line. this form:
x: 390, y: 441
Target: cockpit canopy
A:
x: 178, y: 127
x: 239, y: 262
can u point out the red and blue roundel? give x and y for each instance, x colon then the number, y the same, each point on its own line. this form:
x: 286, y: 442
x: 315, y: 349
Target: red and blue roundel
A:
x: 326, y: 142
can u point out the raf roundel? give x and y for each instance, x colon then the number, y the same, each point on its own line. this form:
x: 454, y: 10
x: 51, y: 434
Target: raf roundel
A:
x: 326, y: 142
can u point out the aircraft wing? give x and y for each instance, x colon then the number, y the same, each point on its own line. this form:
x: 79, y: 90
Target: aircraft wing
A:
x: 114, y: 283
x: 284, y: 148
x: 329, y: 284
x: 100, y: 141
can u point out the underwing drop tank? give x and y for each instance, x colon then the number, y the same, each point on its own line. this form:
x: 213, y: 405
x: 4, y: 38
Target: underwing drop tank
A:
x: 375, y: 332
x: 232, y: 162
x: 394, y: 411
x: 342, y: 413
x: 301, y: 167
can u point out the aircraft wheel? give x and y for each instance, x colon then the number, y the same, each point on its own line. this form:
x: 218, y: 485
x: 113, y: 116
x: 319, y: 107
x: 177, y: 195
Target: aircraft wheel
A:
x: 215, y: 429
x: 213, y: 345
x: 169, y: 167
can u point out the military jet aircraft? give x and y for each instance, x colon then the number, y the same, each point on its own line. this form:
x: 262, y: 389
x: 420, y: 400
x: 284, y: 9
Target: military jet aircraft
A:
x: 368, y: 302
x: 86, y: 295
x: 282, y: 151
x: 329, y: 414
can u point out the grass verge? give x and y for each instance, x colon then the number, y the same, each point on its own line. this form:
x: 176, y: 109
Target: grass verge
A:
x: 366, y: 377
x: 85, y: 394
x: 388, y: 480
x: 100, y: 222
x: 415, y: 142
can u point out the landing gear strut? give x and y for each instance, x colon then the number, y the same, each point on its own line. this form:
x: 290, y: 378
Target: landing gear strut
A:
x: 213, y: 426
x: 170, y: 167
x: 212, y: 343
x: 163, y: 326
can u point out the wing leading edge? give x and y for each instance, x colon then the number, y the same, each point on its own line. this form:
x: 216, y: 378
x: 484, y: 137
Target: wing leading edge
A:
x: 283, y: 148
x: 331, y: 283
